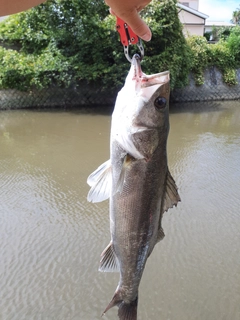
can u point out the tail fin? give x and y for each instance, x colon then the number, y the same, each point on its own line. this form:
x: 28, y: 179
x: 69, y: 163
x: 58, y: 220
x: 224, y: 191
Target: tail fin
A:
x: 126, y: 311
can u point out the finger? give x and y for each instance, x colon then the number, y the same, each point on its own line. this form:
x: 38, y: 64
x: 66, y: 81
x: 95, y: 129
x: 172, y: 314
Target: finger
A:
x: 112, y: 12
x: 138, y: 26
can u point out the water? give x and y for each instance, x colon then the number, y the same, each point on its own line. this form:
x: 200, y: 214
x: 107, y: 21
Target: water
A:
x: 51, y: 237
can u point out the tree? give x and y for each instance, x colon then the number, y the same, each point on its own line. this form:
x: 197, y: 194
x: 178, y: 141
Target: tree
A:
x: 236, y: 16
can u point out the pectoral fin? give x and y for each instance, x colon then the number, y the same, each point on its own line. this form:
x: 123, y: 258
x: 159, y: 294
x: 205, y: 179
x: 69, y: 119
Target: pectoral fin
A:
x: 127, y: 161
x: 124, y: 139
x: 100, y: 182
x: 171, y: 196
x: 109, y: 262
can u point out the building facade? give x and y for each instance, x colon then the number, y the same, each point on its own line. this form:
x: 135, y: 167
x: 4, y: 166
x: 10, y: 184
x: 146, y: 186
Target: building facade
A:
x: 194, y: 4
x: 193, y: 21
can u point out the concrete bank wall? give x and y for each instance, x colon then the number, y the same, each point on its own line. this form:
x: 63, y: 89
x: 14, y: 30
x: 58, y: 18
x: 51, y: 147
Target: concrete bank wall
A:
x: 213, y: 89
x: 83, y: 95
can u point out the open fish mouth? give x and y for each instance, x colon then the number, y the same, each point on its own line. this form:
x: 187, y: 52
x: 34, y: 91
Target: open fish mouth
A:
x: 138, y: 74
x: 142, y: 80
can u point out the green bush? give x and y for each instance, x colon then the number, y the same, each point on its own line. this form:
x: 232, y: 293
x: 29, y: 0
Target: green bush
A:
x: 168, y: 49
x: 23, y: 72
x: 224, y: 32
x: 207, y: 35
x: 63, y: 42
x: 200, y: 53
x: 223, y: 55
x: 74, y: 41
x: 233, y: 43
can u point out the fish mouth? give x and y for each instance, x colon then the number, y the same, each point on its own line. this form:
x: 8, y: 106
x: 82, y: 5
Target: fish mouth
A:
x: 144, y: 80
x: 138, y: 74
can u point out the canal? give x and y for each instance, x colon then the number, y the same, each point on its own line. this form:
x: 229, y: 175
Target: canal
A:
x: 51, y: 238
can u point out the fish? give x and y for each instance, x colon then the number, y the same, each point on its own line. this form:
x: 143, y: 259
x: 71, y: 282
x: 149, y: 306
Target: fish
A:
x: 136, y: 180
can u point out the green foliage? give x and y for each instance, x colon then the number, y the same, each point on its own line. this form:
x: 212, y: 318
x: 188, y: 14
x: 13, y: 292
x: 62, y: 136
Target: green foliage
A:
x: 236, y: 16
x: 71, y: 34
x: 168, y: 49
x: 30, y: 29
x: 207, y: 35
x: 225, y: 55
x: 22, y: 71
x: 63, y: 42
x: 223, y: 58
x: 215, y: 35
x: 224, y: 32
x: 229, y: 76
x: 200, y: 52
x: 233, y: 43
x: 221, y: 33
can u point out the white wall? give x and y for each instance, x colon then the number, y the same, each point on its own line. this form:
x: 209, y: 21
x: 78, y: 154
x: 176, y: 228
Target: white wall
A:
x: 194, y: 4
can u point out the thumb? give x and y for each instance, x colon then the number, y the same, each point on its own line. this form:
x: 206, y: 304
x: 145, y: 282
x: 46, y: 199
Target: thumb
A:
x: 138, y: 26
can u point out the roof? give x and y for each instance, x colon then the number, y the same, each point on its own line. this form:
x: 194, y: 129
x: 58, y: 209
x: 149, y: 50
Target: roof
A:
x: 193, y: 11
x: 219, y: 24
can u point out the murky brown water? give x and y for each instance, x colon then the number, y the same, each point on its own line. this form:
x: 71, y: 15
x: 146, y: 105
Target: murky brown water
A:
x: 51, y: 237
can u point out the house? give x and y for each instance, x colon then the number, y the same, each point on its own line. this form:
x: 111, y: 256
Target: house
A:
x: 194, y: 4
x: 193, y: 21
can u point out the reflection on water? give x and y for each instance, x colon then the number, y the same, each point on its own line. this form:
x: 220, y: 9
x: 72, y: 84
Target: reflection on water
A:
x: 51, y: 237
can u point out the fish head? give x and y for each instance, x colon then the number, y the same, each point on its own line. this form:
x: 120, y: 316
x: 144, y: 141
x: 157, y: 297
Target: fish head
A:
x: 152, y: 98
x: 142, y: 109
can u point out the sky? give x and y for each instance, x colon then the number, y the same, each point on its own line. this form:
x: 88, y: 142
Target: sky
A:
x: 219, y: 10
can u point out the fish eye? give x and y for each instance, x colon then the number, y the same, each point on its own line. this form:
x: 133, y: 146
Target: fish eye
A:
x: 160, y: 103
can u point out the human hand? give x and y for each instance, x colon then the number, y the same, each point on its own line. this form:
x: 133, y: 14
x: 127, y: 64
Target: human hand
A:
x: 128, y: 11
x: 13, y: 6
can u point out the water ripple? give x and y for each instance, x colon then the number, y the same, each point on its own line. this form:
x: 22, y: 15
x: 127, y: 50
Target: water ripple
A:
x: 51, y: 237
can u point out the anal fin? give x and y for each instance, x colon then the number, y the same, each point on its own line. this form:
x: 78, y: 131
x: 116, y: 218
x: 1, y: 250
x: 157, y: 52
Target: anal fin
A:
x: 109, y: 262
x: 160, y: 234
x: 126, y: 310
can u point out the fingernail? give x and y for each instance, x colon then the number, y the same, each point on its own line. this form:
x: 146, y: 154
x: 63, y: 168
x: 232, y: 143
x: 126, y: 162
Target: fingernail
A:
x: 147, y: 36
